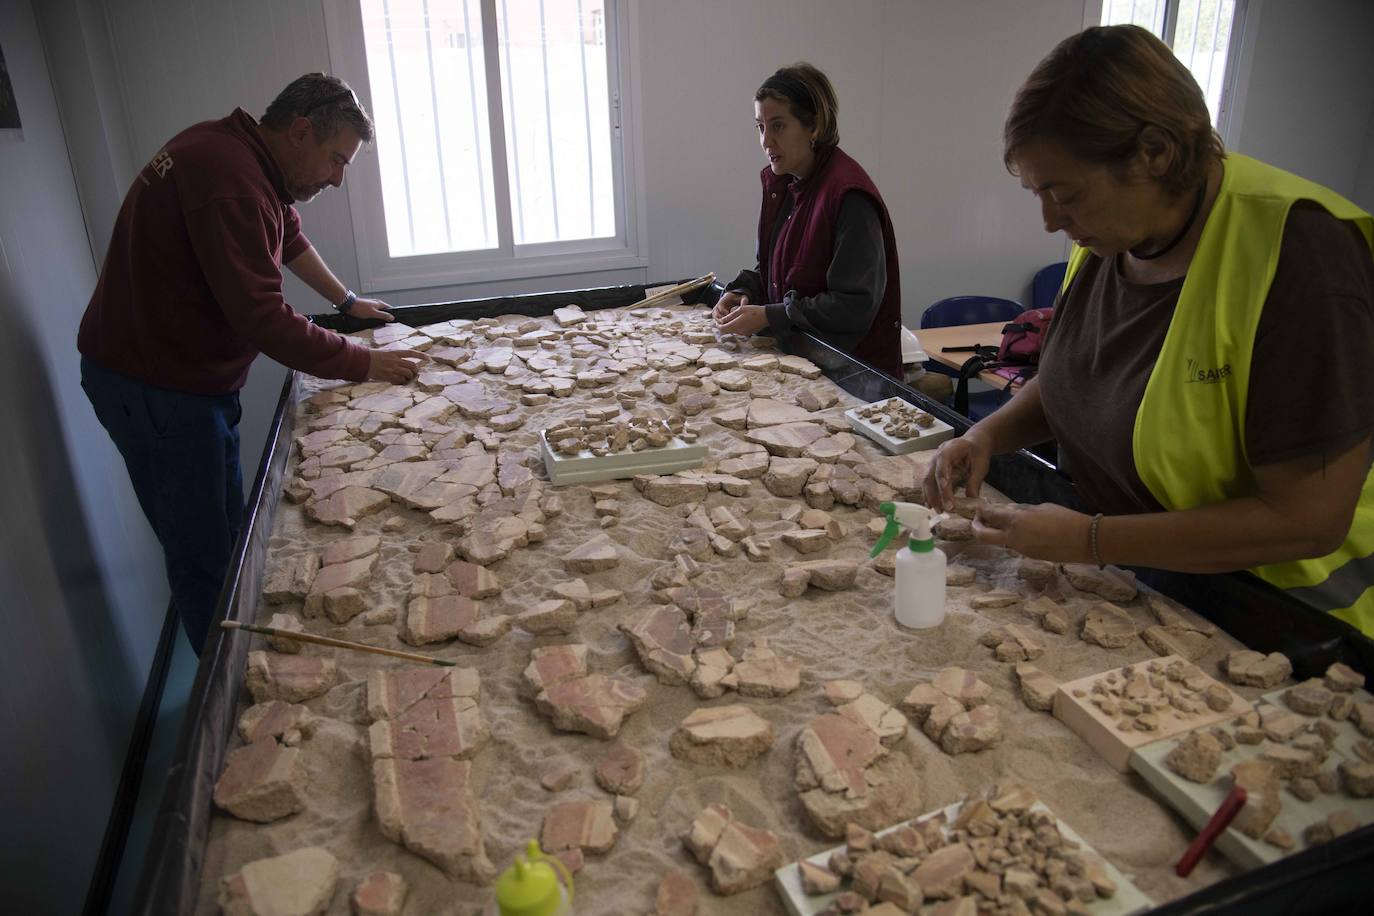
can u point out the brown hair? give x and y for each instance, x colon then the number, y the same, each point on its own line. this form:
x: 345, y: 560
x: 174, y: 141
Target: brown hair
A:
x: 808, y: 93
x: 327, y: 101
x: 1096, y: 94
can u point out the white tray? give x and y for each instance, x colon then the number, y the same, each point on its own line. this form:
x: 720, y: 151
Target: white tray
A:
x: 584, y: 467
x: 1198, y: 802
x: 1128, y: 899
x: 930, y: 437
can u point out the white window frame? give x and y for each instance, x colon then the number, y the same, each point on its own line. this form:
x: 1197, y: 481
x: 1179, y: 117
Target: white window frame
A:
x: 379, y: 272
x: 1238, y: 56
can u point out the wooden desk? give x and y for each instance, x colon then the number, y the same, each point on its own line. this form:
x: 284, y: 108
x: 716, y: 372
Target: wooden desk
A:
x: 934, y: 340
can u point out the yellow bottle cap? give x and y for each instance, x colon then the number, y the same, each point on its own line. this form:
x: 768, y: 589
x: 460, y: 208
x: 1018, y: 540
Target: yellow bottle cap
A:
x: 530, y: 886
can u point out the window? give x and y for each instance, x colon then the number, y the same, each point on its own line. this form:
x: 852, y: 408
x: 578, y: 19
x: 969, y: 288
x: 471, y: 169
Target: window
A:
x: 501, y: 148
x: 1199, y: 32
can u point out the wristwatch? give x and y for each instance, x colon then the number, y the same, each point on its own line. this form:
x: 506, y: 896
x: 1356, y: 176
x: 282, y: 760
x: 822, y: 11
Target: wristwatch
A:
x: 347, y: 302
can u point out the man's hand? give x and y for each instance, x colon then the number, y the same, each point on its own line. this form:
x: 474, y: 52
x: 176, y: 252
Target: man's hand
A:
x: 744, y: 320
x: 1045, y: 531
x: 370, y: 309
x: 727, y: 304
x: 394, y: 366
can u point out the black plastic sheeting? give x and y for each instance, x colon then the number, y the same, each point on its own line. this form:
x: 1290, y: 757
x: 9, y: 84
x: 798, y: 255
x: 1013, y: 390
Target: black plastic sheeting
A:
x: 1326, y: 878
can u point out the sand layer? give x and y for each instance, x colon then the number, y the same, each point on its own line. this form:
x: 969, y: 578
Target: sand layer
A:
x: 849, y: 634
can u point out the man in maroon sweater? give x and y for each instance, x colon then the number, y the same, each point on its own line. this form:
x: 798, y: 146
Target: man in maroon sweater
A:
x: 191, y: 293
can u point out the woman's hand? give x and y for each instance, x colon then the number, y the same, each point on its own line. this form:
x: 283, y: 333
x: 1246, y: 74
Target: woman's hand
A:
x: 958, y: 461
x: 371, y: 309
x: 745, y: 320
x: 728, y: 303
x: 1045, y: 532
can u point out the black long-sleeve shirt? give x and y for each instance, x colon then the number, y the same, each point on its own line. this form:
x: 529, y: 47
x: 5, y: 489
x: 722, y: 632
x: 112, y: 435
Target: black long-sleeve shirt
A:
x: 855, y: 280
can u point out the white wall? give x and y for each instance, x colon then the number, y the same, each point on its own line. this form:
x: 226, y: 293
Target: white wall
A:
x: 81, y: 587
x: 1309, y: 99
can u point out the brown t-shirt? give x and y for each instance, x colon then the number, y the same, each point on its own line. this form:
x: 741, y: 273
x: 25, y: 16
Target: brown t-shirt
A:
x: 1308, y: 394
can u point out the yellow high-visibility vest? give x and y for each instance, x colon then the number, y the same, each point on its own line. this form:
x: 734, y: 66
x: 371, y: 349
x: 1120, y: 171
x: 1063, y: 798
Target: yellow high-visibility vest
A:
x: 1189, y: 440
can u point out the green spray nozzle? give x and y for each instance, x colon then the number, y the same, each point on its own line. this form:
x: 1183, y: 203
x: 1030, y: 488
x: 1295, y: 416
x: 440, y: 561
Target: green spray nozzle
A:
x: 911, y: 515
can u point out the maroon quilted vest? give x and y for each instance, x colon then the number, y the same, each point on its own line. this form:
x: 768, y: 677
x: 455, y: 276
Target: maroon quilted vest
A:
x: 800, y: 256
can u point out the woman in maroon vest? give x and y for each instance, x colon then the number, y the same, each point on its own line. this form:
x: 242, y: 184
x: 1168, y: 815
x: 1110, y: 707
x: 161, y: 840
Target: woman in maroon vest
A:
x: 827, y: 257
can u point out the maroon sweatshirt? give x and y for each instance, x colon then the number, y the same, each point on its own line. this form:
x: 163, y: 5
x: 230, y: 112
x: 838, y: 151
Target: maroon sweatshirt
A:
x: 191, y: 288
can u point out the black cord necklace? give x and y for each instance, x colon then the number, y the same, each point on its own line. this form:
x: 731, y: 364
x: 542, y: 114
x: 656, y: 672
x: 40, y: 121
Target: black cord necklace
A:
x: 1173, y: 243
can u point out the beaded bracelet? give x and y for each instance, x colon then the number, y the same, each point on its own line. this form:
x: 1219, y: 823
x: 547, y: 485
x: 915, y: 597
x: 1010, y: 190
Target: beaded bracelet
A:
x: 1092, y: 539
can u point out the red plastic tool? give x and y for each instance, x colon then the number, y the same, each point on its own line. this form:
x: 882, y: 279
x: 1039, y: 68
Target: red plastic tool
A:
x: 1230, y: 807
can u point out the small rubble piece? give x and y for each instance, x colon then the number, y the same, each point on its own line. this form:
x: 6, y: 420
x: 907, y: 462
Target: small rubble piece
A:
x: 827, y: 575
x: 1196, y: 757
x: 729, y: 736
x: 1357, y: 777
x: 290, y: 678
x: 739, y: 857
x: 883, y: 720
x: 1013, y: 643
x: 1037, y: 572
x: 1262, y: 802
x: 556, y: 616
x: 1108, y: 582
x: 263, y: 781
x: 1311, y: 698
x: 662, y: 637
x: 289, y: 623
x: 1037, y: 687
x: 896, y: 418
x: 671, y: 490
x: 1254, y: 669
x: 420, y: 713
x: 677, y: 895
x: 382, y: 893
x: 998, y: 597
x: 1341, y: 678
x: 621, y: 771
x: 300, y: 883
x: 817, y: 879
x: 1180, y: 641
x: 286, y: 722
x: 958, y: 575
x: 972, y: 730
x: 962, y: 685
x: 594, y: 556
x: 1049, y: 614
x: 291, y: 579
x: 437, y: 619
x: 953, y: 528
x: 428, y: 807
x: 595, y: 704
x: 845, y: 776
x: 764, y: 673
x: 1108, y: 626
x: 585, y: 825
x: 558, y: 776
x: 841, y: 692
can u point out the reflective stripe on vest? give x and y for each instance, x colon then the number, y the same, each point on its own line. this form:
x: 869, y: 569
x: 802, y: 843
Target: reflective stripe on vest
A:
x: 1189, y: 440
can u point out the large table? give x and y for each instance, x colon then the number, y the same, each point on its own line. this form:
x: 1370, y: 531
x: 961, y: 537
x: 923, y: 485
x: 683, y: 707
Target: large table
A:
x: 1255, y: 613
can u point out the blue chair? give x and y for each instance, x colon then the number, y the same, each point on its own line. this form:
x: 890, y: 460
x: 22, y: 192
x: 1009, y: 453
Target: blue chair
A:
x: 969, y: 310
x: 958, y: 310
x: 1045, y: 286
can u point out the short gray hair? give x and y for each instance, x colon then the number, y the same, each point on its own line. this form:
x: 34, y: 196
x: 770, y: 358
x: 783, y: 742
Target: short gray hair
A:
x: 327, y: 101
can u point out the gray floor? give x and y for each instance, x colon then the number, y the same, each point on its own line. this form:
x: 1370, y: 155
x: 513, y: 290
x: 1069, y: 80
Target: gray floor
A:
x: 181, y: 673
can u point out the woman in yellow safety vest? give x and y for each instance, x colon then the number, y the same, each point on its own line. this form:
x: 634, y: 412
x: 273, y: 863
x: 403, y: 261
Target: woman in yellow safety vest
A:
x: 1205, y: 375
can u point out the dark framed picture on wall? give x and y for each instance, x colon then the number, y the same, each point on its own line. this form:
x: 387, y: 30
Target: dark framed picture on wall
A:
x: 9, y: 107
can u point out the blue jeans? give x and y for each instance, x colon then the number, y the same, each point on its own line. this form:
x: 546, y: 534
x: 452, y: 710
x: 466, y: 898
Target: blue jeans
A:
x: 182, y: 454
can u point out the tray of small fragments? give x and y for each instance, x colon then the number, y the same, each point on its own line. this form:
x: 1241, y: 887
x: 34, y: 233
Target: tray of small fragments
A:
x: 1317, y: 742
x: 898, y: 426
x: 593, y: 448
x: 943, y: 845
x: 1121, y: 710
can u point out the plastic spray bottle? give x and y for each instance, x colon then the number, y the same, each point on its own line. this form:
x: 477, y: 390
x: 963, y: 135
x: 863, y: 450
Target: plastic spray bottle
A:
x: 530, y: 887
x: 920, y: 591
